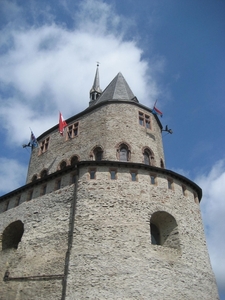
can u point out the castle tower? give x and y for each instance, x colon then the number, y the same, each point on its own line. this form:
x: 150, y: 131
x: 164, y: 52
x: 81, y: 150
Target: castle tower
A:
x: 100, y: 216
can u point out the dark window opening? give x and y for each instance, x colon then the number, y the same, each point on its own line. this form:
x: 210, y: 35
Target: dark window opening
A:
x: 155, y: 235
x: 170, y: 184
x: 152, y: 178
x: 34, y: 178
x: 63, y: 165
x: 92, y: 174
x: 58, y: 184
x: 133, y: 176
x: 164, y: 230
x: 43, y: 190
x: 113, y: 174
x: 98, y: 154
x: 44, y: 173
x: 12, y: 235
x: 17, y: 201
x: 30, y: 195
x: 74, y: 160
x: 73, y: 178
x: 184, y: 190
x: 146, y: 158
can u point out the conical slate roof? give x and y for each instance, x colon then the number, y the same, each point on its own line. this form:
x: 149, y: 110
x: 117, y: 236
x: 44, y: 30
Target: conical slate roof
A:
x: 118, y: 89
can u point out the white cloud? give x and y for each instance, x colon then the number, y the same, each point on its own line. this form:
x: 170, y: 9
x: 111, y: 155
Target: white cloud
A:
x: 11, y: 175
x: 213, y: 212
x: 51, y: 68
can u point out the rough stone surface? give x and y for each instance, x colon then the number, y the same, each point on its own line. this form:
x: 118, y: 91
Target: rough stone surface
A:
x: 112, y: 256
x: 107, y: 126
x: 95, y: 233
x: 42, y: 250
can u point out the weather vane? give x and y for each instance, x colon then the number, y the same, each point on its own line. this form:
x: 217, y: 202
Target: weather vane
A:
x: 168, y: 130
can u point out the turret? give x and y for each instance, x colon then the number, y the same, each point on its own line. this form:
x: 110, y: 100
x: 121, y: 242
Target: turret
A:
x: 95, y: 91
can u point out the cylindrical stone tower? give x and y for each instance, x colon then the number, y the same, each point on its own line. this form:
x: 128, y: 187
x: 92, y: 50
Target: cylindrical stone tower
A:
x: 119, y: 225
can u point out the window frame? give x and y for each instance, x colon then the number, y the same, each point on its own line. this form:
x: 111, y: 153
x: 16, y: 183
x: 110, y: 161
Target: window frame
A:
x: 184, y: 190
x: 155, y: 179
x: 43, y: 189
x: 90, y: 171
x: 73, y: 178
x: 44, y: 145
x: 17, y: 202
x: 30, y: 195
x: 148, y: 153
x: 71, y: 129
x: 110, y: 173
x: 170, y: 184
x: 144, y: 119
x: 135, y: 172
x: 58, y: 184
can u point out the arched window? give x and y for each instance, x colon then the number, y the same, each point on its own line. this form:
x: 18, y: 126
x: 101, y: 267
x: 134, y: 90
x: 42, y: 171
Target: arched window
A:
x: 148, y: 156
x: 62, y: 165
x: 12, y: 235
x: 34, y: 178
x: 44, y: 173
x: 98, y: 153
x: 164, y: 230
x: 123, y: 153
x: 74, y: 160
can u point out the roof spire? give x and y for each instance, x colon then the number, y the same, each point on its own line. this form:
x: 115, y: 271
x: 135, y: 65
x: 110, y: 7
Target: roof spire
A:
x: 95, y: 91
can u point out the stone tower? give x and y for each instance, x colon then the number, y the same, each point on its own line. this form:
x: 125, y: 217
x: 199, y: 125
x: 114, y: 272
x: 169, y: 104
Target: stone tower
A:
x: 100, y: 216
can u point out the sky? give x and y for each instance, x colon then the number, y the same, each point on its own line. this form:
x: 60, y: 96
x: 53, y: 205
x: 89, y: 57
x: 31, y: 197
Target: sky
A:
x: 172, y: 51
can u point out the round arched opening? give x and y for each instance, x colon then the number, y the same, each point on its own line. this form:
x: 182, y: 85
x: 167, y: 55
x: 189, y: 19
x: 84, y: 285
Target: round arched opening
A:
x: 12, y: 235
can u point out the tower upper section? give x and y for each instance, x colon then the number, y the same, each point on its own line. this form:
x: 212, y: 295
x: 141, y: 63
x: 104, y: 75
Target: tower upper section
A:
x: 115, y: 127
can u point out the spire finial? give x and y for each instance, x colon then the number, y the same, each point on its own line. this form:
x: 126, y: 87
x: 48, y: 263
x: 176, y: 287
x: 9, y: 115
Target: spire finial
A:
x: 95, y: 91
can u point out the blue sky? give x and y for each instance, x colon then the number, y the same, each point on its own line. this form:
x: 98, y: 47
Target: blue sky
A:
x: 172, y: 51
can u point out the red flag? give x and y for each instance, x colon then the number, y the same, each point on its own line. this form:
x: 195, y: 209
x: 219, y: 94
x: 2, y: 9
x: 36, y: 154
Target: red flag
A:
x: 62, y: 123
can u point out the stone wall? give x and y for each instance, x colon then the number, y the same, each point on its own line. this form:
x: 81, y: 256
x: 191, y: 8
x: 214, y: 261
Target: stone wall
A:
x: 96, y: 235
x: 112, y: 256
x: 37, y: 266
x: 105, y: 126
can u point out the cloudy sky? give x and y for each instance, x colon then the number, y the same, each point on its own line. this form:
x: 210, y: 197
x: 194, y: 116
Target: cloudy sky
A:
x: 172, y: 51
